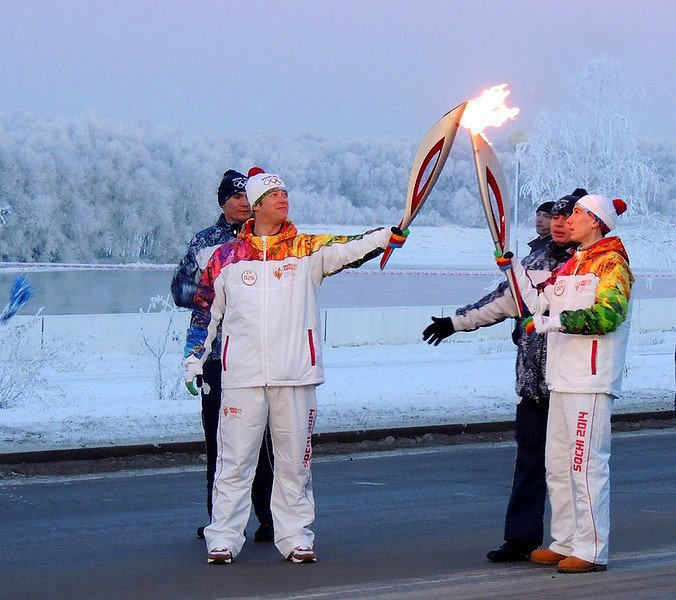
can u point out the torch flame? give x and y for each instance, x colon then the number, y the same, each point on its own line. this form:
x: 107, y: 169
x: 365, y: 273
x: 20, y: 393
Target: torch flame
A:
x: 488, y: 110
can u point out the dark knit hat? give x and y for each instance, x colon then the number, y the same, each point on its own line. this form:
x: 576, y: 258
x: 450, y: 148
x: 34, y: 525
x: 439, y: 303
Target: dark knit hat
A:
x: 564, y: 206
x: 545, y: 207
x: 232, y: 183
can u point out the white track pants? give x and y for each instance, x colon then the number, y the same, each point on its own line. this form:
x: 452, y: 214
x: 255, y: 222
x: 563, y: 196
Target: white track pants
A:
x: 291, y: 413
x: 576, y: 459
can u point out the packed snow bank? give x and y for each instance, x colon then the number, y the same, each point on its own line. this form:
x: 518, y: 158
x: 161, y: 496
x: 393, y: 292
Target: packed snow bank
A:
x: 112, y: 400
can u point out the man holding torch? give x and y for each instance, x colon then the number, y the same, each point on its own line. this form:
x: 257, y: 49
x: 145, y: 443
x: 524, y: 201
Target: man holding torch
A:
x: 525, y: 511
x: 262, y: 288
x: 583, y: 308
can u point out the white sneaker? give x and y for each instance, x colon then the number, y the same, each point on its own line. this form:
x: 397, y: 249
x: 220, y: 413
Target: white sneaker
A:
x: 219, y: 556
x: 302, y: 554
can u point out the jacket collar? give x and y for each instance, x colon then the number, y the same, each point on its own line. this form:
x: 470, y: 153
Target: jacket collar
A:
x: 232, y: 228
x: 539, y: 242
x: 287, y: 231
x: 606, y: 244
x: 562, y: 250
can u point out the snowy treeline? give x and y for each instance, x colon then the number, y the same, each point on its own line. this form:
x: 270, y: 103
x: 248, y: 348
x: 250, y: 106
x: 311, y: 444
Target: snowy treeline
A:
x: 91, y: 190
x: 86, y: 189
x: 594, y: 143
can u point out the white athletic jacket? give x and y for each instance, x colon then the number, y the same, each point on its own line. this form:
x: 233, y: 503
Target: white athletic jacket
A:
x: 588, y: 323
x: 264, y: 289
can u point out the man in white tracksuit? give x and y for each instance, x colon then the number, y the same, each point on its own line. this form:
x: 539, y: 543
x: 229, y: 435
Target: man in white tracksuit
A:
x: 583, y: 308
x: 263, y: 288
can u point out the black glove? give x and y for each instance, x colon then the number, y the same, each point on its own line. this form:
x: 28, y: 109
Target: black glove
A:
x: 440, y: 329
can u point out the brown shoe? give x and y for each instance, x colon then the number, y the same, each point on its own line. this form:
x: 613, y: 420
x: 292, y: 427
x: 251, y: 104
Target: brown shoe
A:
x: 573, y: 564
x: 545, y: 556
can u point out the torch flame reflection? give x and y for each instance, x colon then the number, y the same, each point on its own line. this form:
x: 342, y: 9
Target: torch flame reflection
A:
x: 488, y: 110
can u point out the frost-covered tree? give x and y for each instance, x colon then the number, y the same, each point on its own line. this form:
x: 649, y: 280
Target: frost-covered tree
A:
x: 89, y: 190
x: 155, y: 340
x: 28, y: 359
x: 593, y: 143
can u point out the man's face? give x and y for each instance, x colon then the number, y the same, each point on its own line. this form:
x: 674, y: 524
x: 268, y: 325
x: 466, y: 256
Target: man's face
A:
x: 274, y: 207
x: 558, y: 227
x: 582, y: 225
x: 542, y: 223
x: 236, y: 208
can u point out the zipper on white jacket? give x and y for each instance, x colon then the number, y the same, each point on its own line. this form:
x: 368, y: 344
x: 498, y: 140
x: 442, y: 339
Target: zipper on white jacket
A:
x: 264, y: 320
x: 579, y: 261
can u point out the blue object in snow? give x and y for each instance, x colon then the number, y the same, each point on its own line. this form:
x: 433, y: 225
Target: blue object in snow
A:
x: 21, y: 293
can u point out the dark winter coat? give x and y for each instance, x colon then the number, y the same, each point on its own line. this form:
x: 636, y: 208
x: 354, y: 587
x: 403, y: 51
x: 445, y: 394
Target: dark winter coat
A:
x: 531, y: 357
x: 189, y: 270
x: 538, y: 243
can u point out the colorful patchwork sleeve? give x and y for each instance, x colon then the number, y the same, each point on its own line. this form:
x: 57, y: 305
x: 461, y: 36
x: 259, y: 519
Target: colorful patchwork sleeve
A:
x: 338, y: 252
x: 199, y: 331
x: 611, y: 304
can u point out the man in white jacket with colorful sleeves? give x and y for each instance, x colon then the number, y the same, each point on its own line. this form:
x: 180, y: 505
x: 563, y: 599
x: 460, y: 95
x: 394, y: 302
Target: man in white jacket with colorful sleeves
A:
x: 263, y: 289
x: 583, y: 308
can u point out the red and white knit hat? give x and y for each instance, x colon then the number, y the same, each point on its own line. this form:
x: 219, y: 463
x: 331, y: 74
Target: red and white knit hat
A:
x: 261, y: 183
x: 603, y: 208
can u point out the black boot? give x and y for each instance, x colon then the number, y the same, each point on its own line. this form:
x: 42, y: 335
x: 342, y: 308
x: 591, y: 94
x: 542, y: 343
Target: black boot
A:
x: 511, y: 551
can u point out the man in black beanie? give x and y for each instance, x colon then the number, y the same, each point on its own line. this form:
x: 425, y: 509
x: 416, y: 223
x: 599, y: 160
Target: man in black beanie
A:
x: 542, y: 215
x: 525, y: 511
x: 235, y: 211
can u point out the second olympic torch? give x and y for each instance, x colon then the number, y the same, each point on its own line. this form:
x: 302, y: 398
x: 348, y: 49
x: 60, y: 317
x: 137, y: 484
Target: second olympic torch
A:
x: 490, y: 110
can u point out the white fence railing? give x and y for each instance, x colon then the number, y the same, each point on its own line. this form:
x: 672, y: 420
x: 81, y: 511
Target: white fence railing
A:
x: 112, y: 333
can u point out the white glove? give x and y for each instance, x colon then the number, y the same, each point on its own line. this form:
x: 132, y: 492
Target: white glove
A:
x: 547, y: 324
x: 192, y: 369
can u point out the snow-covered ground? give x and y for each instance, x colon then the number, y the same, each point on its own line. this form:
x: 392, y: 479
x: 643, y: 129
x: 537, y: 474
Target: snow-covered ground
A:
x: 109, y: 398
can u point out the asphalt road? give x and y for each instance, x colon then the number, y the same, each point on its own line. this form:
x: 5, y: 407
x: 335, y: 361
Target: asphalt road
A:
x: 400, y: 525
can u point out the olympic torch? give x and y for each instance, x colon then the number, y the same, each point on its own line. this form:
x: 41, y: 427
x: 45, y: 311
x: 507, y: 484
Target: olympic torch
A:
x: 428, y: 163
x: 490, y: 110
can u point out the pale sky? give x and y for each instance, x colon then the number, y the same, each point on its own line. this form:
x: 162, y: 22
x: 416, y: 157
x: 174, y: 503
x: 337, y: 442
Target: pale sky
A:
x: 351, y: 68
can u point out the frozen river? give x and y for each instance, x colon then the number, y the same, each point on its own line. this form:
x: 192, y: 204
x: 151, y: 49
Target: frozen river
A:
x: 126, y: 291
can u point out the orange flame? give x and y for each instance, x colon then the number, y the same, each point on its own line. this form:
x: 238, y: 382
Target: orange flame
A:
x: 488, y: 110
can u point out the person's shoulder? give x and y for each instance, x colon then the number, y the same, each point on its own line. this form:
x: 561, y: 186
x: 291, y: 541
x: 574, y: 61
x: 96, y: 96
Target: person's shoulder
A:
x: 218, y: 233
x: 536, y: 257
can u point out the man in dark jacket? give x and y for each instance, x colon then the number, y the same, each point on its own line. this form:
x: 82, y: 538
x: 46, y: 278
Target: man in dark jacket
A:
x: 235, y: 210
x: 543, y: 214
x: 525, y: 511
